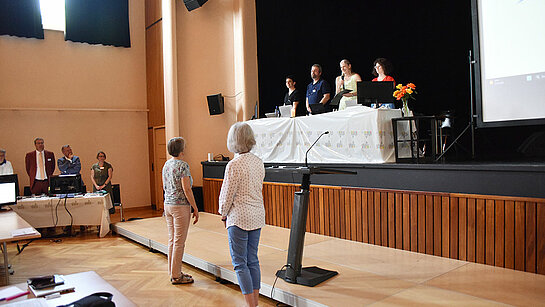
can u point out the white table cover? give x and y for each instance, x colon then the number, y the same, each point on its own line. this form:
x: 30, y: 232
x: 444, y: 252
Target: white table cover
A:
x: 41, y: 212
x: 356, y: 135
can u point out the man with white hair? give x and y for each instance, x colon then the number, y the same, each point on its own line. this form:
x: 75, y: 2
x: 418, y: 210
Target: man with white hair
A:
x: 69, y: 164
x: 5, y: 165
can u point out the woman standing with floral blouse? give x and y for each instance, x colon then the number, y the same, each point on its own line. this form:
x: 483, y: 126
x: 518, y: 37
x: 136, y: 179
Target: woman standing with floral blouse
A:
x: 242, y: 210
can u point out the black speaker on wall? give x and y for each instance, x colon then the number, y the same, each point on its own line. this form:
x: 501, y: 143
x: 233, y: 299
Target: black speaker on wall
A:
x: 215, y: 104
x: 194, y: 4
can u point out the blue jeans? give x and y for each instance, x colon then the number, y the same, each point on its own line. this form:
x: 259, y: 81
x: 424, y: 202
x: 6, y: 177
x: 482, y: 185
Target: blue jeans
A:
x: 243, y: 246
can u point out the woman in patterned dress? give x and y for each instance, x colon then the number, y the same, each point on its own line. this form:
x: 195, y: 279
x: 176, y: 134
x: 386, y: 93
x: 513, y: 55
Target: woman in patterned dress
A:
x: 179, y: 200
x: 242, y: 211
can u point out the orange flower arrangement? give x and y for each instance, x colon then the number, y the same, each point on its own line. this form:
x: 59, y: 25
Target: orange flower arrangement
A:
x: 404, y: 93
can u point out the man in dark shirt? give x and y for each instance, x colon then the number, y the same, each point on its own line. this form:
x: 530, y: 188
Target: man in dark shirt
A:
x: 318, y: 91
x: 69, y: 164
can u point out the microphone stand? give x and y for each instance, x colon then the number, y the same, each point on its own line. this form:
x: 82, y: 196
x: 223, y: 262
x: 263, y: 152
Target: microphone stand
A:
x: 306, y: 154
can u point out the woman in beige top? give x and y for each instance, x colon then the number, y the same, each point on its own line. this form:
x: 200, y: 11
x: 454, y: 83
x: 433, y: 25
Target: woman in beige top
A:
x: 347, y: 80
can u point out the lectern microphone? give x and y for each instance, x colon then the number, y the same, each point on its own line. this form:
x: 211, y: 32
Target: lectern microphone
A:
x: 306, y: 154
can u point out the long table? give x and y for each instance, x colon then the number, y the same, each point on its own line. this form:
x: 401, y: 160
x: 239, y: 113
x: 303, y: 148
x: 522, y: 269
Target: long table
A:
x: 42, y: 212
x: 356, y: 135
x: 10, y: 221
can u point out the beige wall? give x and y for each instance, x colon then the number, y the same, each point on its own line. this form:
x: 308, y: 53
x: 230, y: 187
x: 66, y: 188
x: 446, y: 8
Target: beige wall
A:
x: 217, y: 53
x: 53, y: 73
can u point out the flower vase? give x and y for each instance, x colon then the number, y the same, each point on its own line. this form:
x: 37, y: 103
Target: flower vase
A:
x: 405, y: 110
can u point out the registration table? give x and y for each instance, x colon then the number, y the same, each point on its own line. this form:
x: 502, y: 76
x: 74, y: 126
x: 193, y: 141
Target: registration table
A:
x: 43, y: 212
x: 356, y: 135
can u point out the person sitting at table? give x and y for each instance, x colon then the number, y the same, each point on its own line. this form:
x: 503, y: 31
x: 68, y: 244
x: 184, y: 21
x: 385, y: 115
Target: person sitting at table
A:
x: 5, y: 165
x: 318, y: 91
x: 68, y: 164
x: 347, y: 80
x: 40, y: 165
x: 382, y: 68
x: 101, y: 176
x: 294, y: 98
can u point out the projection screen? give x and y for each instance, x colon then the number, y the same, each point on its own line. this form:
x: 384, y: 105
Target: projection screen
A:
x: 509, y: 48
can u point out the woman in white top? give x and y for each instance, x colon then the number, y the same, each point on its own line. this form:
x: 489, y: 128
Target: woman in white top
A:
x: 5, y: 165
x: 347, y: 80
x: 242, y: 211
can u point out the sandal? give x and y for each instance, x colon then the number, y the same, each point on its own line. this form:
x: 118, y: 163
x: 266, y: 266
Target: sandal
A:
x: 186, y: 275
x: 182, y: 280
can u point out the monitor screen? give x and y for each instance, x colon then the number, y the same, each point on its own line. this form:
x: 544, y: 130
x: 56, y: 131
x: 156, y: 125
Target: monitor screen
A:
x: 65, y: 184
x: 375, y: 92
x: 8, y: 195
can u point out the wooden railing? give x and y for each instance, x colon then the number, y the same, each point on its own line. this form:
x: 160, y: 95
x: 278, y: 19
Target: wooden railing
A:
x: 501, y: 231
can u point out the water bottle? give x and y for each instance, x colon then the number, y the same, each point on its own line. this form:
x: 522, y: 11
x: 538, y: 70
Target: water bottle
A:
x: 277, y: 112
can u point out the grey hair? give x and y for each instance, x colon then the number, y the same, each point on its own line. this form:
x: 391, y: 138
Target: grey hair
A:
x: 64, y: 146
x: 318, y: 66
x: 175, y: 146
x: 38, y: 139
x: 240, y: 138
x: 2, y: 150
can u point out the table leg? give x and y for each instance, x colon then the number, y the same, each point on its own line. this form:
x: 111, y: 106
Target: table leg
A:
x: 6, y: 270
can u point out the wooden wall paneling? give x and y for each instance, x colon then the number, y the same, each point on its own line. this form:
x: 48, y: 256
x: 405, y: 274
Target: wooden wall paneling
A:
x: 413, y: 211
x: 462, y: 229
x: 154, y: 76
x: 348, y: 207
x: 274, y: 206
x: 330, y: 217
x: 340, y: 232
x: 471, y: 230
x: 384, y: 218
x: 361, y: 216
x: 520, y: 236
x: 406, y: 217
x: 399, y: 220
x: 267, y: 204
x: 366, y: 217
x: 530, y: 237
x: 317, y: 212
x: 153, y: 11
x: 354, y: 218
x: 445, y: 226
x: 489, y: 231
x: 437, y: 229
x: 311, y: 208
x: 429, y: 224
x: 453, y: 231
x: 289, y: 203
x: 480, y: 230
x: 371, y: 215
x: 378, y: 237
x: 499, y: 240
x: 540, y: 235
x: 323, y: 199
x: 391, y: 220
x: 509, y: 250
x: 422, y: 223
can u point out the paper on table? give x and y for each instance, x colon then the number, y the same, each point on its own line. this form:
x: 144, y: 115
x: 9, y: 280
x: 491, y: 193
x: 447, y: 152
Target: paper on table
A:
x: 23, y: 231
x: 11, y: 291
x: 33, y: 302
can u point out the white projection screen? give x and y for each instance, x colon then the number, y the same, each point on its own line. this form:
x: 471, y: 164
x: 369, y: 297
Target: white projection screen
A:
x: 509, y: 47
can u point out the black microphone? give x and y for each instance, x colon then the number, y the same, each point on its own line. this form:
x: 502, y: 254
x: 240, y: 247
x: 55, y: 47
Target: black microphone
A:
x: 342, y: 78
x: 306, y: 154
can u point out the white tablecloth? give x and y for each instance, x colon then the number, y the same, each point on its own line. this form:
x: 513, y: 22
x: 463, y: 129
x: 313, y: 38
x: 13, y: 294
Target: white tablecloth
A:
x: 356, y: 135
x: 44, y: 212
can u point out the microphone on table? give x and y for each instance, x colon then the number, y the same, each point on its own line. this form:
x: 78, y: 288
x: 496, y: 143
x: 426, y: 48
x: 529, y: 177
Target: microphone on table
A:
x: 306, y: 154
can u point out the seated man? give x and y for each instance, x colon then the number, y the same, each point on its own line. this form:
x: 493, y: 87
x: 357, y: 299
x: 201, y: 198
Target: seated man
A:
x: 69, y: 164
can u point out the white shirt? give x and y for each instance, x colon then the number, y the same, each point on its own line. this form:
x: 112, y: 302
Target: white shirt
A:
x: 6, y: 168
x: 241, y: 196
x: 38, y: 177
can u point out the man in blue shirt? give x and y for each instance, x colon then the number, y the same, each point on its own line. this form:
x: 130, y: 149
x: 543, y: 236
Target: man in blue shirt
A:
x: 69, y: 164
x: 318, y: 91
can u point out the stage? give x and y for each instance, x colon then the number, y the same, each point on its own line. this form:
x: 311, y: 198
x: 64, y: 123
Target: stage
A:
x: 368, y: 273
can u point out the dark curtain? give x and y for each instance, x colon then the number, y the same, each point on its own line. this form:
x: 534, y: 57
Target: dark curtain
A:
x: 98, y: 22
x: 21, y: 18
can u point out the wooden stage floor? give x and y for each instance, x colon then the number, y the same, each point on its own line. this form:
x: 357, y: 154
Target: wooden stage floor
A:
x: 368, y: 274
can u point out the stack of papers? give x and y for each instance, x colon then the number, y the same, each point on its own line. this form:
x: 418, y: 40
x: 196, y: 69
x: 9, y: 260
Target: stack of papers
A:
x: 23, y: 232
